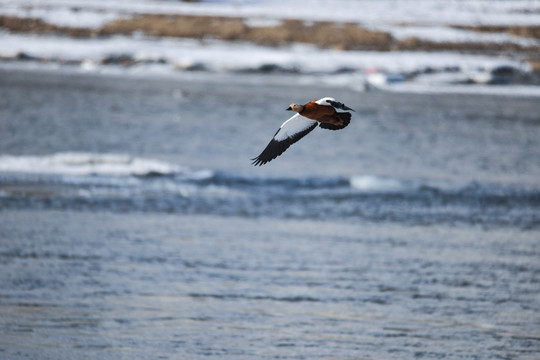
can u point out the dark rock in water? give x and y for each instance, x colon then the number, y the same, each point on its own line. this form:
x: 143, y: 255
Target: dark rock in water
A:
x: 120, y: 59
x: 506, y: 74
x: 499, y: 75
x: 345, y: 70
x: 196, y: 67
x: 270, y: 69
x: 24, y: 56
x: 152, y: 61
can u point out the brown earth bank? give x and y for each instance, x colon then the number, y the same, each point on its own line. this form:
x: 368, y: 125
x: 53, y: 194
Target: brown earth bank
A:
x: 529, y: 31
x: 535, y: 64
x: 32, y: 25
x: 344, y: 36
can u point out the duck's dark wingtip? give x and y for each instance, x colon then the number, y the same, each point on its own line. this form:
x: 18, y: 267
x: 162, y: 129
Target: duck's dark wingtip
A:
x: 257, y: 162
x: 339, y: 105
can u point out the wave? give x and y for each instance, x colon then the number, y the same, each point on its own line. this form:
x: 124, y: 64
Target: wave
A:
x: 370, y: 183
x: 124, y: 170
x: 75, y: 163
x: 77, y: 168
x: 114, y: 182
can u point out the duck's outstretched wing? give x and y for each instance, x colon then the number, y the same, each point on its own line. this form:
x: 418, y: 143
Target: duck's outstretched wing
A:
x: 290, y: 132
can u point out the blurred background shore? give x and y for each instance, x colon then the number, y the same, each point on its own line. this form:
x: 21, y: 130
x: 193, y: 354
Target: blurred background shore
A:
x: 375, y: 43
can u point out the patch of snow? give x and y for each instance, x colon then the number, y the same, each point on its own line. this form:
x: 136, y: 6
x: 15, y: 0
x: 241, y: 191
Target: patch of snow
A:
x: 501, y: 12
x: 226, y: 56
x: 262, y: 22
x: 439, y: 33
x: 446, y: 88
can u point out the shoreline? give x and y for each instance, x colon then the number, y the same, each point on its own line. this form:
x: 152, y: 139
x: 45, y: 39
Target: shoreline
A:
x: 334, y: 81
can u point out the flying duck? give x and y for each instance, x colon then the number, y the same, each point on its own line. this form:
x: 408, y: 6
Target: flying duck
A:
x: 321, y: 112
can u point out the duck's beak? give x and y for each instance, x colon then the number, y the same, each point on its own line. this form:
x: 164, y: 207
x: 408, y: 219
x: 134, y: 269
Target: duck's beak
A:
x: 289, y: 108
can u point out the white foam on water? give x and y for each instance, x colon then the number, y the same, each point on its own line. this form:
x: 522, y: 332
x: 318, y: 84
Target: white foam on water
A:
x: 371, y: 183
x: 73, y: 163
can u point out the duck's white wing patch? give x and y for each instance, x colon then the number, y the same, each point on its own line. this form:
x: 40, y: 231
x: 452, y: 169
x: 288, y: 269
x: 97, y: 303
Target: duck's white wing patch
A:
x: 329, y: 101
x: 325, y: 101
x: 292, y: 127
x: 290, y: 132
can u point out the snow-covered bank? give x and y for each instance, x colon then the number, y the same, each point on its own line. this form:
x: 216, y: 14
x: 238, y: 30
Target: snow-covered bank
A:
x: 233, y: 56
x: 429, y: 20
x: 374, y: 12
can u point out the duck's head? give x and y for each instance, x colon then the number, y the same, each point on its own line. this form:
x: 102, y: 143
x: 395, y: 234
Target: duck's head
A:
x: 295, y: 107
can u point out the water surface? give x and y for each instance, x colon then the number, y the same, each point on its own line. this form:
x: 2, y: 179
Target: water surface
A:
x: 133, y: 225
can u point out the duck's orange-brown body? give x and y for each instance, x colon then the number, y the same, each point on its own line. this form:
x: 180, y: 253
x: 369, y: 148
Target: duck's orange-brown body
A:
x: 314, y: 111
x: 325, y: 114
